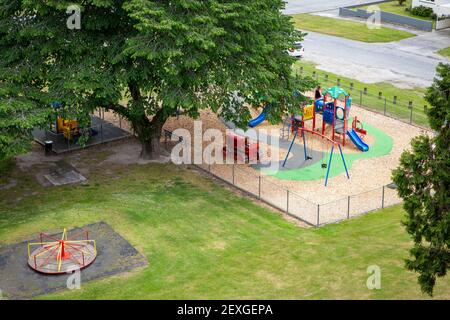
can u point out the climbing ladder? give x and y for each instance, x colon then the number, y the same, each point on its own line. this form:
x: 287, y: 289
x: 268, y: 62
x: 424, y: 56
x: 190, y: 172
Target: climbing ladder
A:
x: 285, y: 132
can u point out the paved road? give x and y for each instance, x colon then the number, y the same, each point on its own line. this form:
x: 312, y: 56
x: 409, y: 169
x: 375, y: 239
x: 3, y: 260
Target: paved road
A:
x: 406, y: 63
x: 308, y: 6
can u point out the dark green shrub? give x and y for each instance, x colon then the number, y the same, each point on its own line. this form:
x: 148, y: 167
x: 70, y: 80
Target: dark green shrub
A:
x: 422, y: 11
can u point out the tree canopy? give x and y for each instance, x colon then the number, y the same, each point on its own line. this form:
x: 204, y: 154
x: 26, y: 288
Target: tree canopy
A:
x: 159, y: 56
x: 423, y: 180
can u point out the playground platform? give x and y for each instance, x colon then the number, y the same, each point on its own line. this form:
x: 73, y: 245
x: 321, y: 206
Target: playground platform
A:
x: 104, y: 132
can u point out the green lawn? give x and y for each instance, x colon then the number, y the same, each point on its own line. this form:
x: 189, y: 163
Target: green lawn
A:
x: 371, y: 99
x: 348, y: 29
x: 394, y: 7
x: 445, y: 52
x: 204, y: 242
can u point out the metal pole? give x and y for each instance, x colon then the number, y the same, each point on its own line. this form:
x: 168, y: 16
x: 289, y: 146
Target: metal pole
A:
x: 318, y: 214
x: 382, y: 199
x: 360, y: 97
x: 232, y: 174
x: 290, y: 147
x: 287, y: 201
x: 329, y: 165
x: 411, y: 112
x: 343, y: 160
x: 259, y: 186
x: 348, y: 207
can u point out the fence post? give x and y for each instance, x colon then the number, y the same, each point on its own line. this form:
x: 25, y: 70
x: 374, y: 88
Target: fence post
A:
x: 259, y: 186
x: 287, y: 201
x: 233, y: 174
x: 360, y: 97
x: 120, y: 121
x: 395, y: 100
x: 318, y: 214
x: 382, y: 199
x: 385, y: 105
x: 348, y: 207
x: 410, y: 106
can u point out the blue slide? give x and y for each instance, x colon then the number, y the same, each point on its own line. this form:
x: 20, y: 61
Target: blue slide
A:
x: 357, y: 141
x: 259, y: 119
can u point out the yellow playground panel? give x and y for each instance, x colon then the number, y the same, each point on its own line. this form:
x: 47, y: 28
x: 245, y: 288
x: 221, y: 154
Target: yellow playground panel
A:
x: 308, y: 112
x: 68, y: 127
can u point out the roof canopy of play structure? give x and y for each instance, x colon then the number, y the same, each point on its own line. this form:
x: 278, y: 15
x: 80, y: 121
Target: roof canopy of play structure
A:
x: 335, y: 92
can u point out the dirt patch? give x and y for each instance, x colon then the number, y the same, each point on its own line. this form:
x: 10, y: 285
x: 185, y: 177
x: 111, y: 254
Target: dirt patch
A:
x: 129, y: 153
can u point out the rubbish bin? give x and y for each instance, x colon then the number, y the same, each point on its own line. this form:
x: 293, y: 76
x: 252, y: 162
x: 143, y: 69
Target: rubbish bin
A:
x: 48, y: 145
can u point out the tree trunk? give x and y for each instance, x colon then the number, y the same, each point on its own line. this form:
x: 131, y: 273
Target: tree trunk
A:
x: 148, y: 131
x: 151, y: 148
x: 149, y: 134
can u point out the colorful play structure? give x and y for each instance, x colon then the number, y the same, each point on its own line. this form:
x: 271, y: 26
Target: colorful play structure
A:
x: 337, y: 116
x: 260, y: 118
x: 240, y: 148
x: 332, y: 115
x: 54, y: 255
x: 69, y: 128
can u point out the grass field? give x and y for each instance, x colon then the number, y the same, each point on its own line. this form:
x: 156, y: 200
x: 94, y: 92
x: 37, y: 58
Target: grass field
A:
x: 348, y: 29
x: 445, y: 52
x: 371, y: 99
x: 204, y: 242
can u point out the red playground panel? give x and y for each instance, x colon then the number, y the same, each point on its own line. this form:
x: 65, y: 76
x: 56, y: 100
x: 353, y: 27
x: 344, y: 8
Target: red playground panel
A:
x: 241, y: 148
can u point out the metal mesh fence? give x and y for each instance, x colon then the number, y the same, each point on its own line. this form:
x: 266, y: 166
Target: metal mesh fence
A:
x: 365, y: 202
x: 303, y: 209
x: 390, y: 196
x: 283, y: 199
x: 224, y: 171
x: 274, y: 194
x: 334, y: 211
x: 245, y: 180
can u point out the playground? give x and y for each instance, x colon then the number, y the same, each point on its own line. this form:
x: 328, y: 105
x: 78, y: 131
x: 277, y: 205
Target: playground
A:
x: 199, y: 238
x: 147, y: 249
x: 358, y: 171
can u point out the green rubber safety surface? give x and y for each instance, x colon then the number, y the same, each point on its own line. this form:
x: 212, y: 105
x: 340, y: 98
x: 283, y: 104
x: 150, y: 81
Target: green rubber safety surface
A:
x: 382, y: 146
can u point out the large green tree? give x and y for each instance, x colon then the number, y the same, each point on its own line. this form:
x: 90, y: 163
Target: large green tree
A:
x: 159, y: 56
x: 423, y: 180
